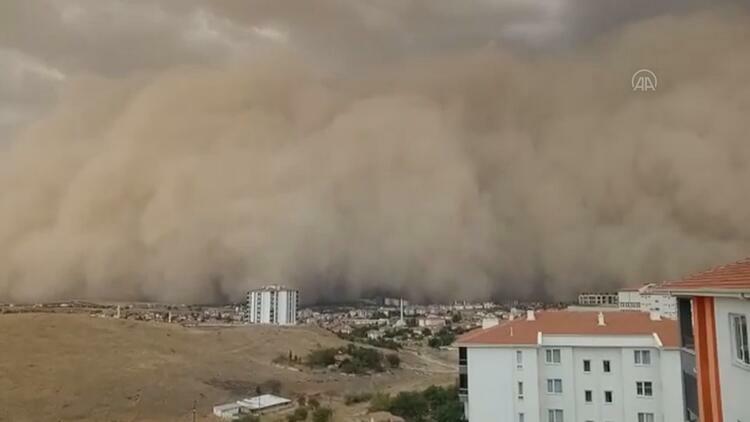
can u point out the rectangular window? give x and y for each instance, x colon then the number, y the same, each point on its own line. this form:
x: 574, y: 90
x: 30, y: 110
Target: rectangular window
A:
x: 552, y: 355
x: 740, y: 338
x: 586, y: 365
x: 607, y: 397
x: 645, y: 417
x: 520, y: 389
x: 463, y: 383
x: 644, y: 389
x: 589, y: 396
x: 642, y: 357
x: 554, y: 386
x: 462, y: 356
x: 555, y: 415
x: 519, y: 358
x: 606, y: 366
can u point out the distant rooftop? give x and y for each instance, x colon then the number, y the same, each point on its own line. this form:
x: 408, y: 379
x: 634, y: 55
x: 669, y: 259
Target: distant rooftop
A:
x: 729, y: 278
x: 526, y: 332
x: 263, y: 401
x: 272, y: 287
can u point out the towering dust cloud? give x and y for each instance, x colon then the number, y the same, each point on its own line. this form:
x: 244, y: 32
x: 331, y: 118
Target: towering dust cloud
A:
x: 453, y: 174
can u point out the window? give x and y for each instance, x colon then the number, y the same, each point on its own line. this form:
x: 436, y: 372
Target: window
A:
x: 607, y: 397
x: 644, y: 388
x: 739, y: 338
x: 519, y: 358
x: 521, y: 417
x: 642, y: 357
x: 554, y: 386
x: 520, y: 389
x: 586, y: 365
x: 645, y: 417
x: 463, y: 383
x: 556, y: 415
x: 553, y: 355
x: 462, y: 356
x: 588, y: 396
x: 606, y: 366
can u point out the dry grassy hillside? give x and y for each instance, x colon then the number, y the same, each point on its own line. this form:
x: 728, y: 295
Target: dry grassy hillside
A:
x: 75, y: 368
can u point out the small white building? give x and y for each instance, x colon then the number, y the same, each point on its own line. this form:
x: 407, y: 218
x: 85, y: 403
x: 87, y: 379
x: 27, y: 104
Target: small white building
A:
x: 560, y: 366
x: 647, y: 298
x: 598, y: 299
x: 272, y: 305
x: 431, y: 321
x: 254, y: 405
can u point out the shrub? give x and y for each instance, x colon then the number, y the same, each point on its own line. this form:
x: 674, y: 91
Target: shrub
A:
x: 351, y: 399
x: 380, y: 402
x: 300, y: 414
x: 313, y: 402
x: 322, y: 414
x: 322, y: 357
x: 393, y: 360
x: 411, y: 406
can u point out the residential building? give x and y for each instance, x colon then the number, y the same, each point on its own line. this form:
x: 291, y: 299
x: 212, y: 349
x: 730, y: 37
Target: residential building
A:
x: 557, y: 366
x: 647, y: 298
x: 598, y: 299
x: 714, y: 309
x: 431, y: 321
x: 272, y: 305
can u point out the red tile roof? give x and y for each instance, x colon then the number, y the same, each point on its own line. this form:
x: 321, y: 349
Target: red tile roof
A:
x: 729, y: 278
x: 524, y: 332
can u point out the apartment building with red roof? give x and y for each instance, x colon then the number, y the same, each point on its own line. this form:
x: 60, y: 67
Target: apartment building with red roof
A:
x: 713, y: 311
x: 557, y: 366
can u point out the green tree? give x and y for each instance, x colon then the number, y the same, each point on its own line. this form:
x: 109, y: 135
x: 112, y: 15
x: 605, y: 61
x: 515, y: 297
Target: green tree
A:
x: 411, y: 406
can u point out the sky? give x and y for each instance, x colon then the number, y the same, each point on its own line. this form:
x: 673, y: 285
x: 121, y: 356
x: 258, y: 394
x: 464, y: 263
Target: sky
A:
x: 189, y: 150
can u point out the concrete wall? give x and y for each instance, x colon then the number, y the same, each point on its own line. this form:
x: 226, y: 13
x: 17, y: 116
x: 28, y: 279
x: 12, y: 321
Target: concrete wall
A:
x: 491, y: 384
x: 734, y: 378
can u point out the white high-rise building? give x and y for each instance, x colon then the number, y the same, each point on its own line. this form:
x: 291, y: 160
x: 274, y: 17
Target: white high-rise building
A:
x: 563, y: 366
x: 272, y: 305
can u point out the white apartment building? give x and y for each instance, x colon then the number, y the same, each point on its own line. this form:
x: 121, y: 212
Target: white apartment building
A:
x: 598, y: 299
x: 272, y: 305
x: 563, y: 366
x: 647, y: 298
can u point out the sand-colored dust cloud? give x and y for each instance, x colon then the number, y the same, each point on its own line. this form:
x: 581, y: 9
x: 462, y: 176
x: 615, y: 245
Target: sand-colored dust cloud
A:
x: 459, y: 175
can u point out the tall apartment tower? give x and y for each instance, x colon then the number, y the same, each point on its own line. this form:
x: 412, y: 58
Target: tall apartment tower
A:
x: 272, y: 305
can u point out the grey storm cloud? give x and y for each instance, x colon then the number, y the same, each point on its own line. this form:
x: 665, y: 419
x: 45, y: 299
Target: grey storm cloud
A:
x: 186, y: 151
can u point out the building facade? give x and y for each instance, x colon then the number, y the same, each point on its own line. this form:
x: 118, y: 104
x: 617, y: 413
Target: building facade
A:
x: 598, y: 299
x: 714, y: 309
x: 272, y: 305
x: 561, y: 366
x: 647, y: 298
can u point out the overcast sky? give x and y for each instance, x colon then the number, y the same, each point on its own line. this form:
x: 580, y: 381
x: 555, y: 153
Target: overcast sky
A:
x: 45, y: 42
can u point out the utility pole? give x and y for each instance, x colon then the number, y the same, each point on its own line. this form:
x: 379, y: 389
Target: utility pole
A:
x: 194, y: 404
